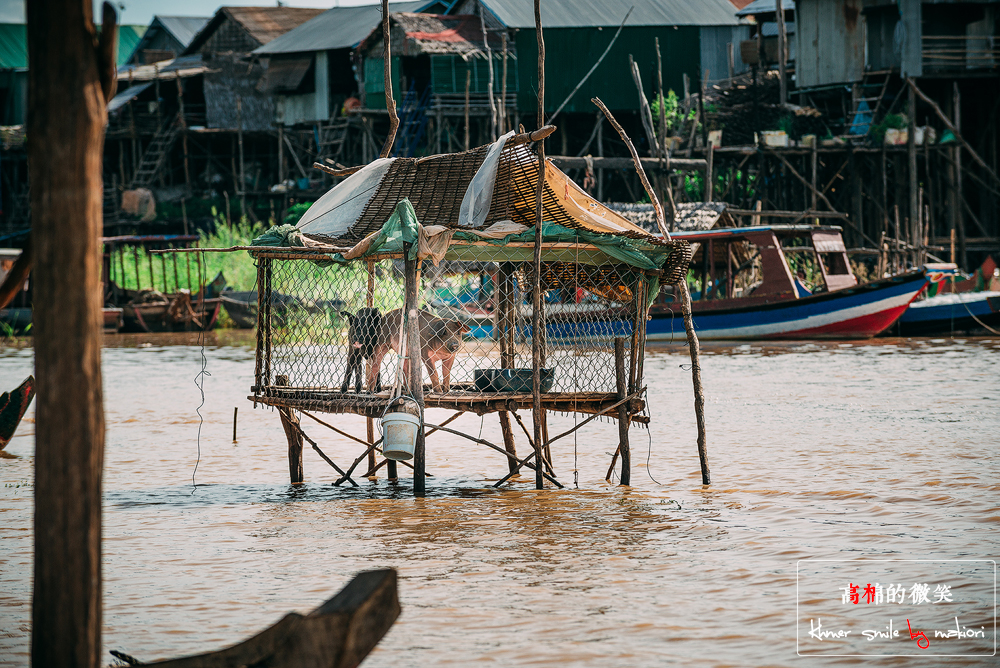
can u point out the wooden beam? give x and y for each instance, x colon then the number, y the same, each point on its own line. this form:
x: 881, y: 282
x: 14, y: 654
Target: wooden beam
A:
x: 338, y: 634
x: 69, y: 83
x: 651, y: 164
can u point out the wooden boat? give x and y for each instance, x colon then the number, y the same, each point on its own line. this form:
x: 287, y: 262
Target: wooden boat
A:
x: 177, y: 312
x: 950, y: 313
x: 779, y: 305
x: 13, y: 404
x: 242, y: 306
x: 338, y: 634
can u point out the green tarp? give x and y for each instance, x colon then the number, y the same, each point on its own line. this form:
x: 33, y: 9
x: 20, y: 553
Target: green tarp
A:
x: 402, y: 227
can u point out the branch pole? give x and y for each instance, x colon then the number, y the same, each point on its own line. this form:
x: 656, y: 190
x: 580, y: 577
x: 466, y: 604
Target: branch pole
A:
x: 693, y: 346
x: 638, y: 166
x: 537, y: 323
x: 390, y: 103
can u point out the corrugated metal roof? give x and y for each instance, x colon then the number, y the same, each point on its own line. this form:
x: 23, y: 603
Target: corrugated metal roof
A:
x: 337, y: 28
x: 262, y: 23
x: 128, y: 38
x: 183, y: 28
x: 765, y: 7
x: 14, y: 44
x: 268, y: 23
x: 609, y: 13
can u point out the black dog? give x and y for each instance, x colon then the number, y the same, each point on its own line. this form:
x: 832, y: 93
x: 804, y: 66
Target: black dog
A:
x: 363, y: 338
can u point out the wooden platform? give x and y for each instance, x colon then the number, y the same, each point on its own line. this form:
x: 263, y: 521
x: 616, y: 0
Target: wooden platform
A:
x: 460, y: 399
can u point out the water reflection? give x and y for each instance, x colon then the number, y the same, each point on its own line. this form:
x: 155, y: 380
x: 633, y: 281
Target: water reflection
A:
x: 883, y: 448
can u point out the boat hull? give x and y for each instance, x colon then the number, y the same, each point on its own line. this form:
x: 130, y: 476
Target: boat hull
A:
x: 860, y: 312
x: 949, y: 314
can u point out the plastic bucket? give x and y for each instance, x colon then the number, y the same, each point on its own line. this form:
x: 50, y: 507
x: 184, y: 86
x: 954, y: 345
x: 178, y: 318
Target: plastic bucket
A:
x: 399, y: 434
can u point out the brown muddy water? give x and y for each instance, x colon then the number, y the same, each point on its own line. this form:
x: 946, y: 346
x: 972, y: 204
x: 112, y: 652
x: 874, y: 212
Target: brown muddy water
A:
x: 876, y: 450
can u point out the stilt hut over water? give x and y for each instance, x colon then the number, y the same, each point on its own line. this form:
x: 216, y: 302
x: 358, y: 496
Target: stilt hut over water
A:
x: 365, y: 270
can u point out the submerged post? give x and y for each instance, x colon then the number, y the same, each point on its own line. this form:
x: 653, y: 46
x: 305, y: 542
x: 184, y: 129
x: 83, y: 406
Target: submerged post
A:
x: 290, y: 423
x: 537, y: 323
x: 411, y: 276
x: 623, y: 415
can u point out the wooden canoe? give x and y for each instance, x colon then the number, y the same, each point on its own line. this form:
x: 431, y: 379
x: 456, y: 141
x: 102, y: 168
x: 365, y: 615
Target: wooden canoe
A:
x: 13, y: 404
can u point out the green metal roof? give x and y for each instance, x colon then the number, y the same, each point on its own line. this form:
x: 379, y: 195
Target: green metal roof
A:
x: 128, y: 37
x: 14, y: 44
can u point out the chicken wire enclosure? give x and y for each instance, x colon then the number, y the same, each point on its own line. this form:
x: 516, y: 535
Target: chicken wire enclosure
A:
x: 323, y: 328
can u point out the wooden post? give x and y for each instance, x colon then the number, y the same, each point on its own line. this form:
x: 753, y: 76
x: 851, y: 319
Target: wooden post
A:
x: 236, y: 410
x: 503, y: 88
x: 290, y: 423
x: 959, y: 195
x: 537, y: 321
x: 390, y: 103
x: 782, y: 39
x: 699, y: 395
x: 814, y: 156
x: 505, y: 325
x: 911, y: 156
x: 709, y: 176
x: 600, y: 152
x: 468, y: 80
x: 699, y: 392
x: 71, y: 79
x: 623, y: 412
x: 369, y: 422
x: 411, y: 276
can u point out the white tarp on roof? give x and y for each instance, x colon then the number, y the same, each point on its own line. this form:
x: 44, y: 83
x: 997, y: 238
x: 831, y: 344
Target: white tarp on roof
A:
x: 479, y: 194
x: 333, y: 214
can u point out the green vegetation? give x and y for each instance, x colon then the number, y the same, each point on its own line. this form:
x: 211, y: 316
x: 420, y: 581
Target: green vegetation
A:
x: 133, y: 268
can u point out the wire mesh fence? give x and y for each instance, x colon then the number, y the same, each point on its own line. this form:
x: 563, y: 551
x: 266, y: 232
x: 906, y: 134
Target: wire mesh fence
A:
x: 336, y: 332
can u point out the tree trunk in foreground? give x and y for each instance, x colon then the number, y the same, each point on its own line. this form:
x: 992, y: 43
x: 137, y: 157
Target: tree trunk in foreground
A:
x: 70, y: 79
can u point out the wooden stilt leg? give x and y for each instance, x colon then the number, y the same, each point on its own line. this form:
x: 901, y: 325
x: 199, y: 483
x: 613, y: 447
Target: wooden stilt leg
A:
x: 290, y: 423
x: 371, y: 439
x: 508, y: 441
x: 623, y: 413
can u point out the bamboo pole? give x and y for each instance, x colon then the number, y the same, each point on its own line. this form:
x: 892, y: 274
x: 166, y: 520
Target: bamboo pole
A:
x: 782, y: 39
x: 503, y: 88
x: 693, y: 347
x: 623, y: 412
x: 411, y: 274
x: 468, y: 81
x: 390, y: 103
x: 489, y: 91
x: 537, y: 321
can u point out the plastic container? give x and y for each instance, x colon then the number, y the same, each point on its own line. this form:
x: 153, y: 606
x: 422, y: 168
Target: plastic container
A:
x: 399, y: 434
x: 517, y: 381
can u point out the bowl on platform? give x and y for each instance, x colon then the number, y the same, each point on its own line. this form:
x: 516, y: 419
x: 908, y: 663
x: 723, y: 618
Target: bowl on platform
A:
x: 516, y: 381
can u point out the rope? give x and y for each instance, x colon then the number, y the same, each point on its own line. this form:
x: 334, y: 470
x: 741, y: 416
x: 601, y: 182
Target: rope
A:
x: 199, y: 380
x: 981, y: 323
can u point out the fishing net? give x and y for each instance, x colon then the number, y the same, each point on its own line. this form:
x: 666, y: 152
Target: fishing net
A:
x: 320, y: 327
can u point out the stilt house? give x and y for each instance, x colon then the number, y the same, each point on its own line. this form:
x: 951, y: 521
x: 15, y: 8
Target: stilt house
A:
x: 339, y: 294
